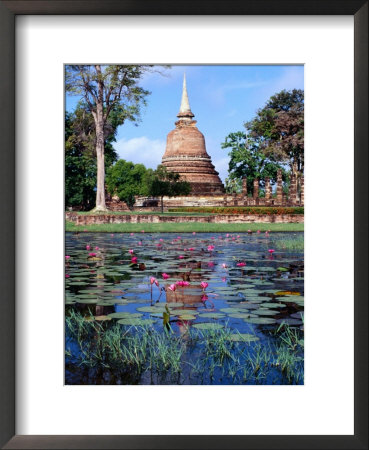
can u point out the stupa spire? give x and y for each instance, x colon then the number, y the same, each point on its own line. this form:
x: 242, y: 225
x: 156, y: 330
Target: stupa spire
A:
x: 185, y: 109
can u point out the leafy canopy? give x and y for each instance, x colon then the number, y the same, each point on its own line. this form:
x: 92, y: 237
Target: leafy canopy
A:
x: 247, y: 160
x: 127, y: 180
x: 278, y: 128
x: 80, y: 156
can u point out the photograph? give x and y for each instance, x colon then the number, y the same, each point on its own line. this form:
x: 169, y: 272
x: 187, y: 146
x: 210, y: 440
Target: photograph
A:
x: 184, y: 224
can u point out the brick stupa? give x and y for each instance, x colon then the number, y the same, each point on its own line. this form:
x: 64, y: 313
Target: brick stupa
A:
x: 186, y: 153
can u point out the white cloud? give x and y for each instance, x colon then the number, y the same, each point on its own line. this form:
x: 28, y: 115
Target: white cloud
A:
x: 221, y: 165
x: 141, y: 150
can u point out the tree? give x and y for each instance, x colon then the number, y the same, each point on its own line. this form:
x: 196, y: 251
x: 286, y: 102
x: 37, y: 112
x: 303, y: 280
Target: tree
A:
x: 127, y: 180
x: 164, y: 183
x: 80, y: 156
x: 247, y: 160
x: 279, y: 128
x: 104, y: 89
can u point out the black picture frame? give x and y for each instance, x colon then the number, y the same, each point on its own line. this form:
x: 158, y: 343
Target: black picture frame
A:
x: 8, y: 12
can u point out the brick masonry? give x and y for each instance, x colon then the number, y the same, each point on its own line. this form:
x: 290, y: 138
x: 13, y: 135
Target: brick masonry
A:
x: 98, y: 219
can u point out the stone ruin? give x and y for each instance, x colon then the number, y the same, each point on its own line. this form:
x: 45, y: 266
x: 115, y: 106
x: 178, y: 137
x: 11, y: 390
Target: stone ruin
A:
x: 186, y: 155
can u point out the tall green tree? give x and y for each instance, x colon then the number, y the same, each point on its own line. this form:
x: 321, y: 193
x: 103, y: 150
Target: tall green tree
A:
x: 167, y: 184
x: 247, y: 160
x: 104, y: 89
x: 278, y: 128
x: 80, y: 156
x: 127, y: 180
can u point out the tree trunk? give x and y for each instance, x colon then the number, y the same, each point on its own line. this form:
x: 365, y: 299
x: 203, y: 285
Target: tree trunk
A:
x: 99, y: 121
x: 162, y: 204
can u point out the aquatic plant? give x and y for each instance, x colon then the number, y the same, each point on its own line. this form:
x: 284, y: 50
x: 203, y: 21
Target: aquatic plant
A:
x: 133, y: 352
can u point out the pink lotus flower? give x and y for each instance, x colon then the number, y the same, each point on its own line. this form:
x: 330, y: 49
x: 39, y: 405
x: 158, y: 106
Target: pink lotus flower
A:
x: 238, y: 236
x: 112, y: 235
x: 88, y: 247
x: 172, y: 287
x: 249, y: 231
x: 182, y: 283
x: 179, y: 238
x: 204, y: 285
x: 194, y: 232
x: 224, y: 279
x: 211, y: 264
x: 132, y: 234
x: 134, y: 260
x: 258, y: 232
x: 185, y: 249
x: 130, y: 251
x: 233, y: 238
x: 271, y: 251
x: 158, y: 245
x: 96, y: 248
x: 213, y: 237
x: 180, y: 256
x: 67, y: 256
x: 211, y: 248
x: 191, y: 249
x: 227, y: 235
x: 67, y: 276
x: 161, y: 240
x: 241, y: 264
x: 204, y: 298
x: 153, y: 280
x: 165, y: 276
x: 142, y: 231
x: 92, y: 254
x: 224, y: 266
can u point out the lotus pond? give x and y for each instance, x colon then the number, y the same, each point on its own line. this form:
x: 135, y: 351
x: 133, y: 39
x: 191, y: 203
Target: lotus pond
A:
x: 197, y: 308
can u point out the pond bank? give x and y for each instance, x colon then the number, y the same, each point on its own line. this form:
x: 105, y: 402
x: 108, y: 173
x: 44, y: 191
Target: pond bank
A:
x: 173, y: 227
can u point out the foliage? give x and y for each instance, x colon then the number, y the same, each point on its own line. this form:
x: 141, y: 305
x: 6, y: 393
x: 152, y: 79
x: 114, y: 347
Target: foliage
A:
x: 233, y: 185
x: 80, y: 156
x: 127, y: 180
x: 258, y: 210
x: 278, y: 128
x: 248, y: 160
x: 164, y: 183
x: 131, y: 353
x: 104, y: 90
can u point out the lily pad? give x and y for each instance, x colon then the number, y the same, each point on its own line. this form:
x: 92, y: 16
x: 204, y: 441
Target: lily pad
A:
x: 102, y: 318
x: 260, y: 320
x: 135, y: 321
x: 212, y: 315
x: 124, y: 315
x: 187, y: 317
x: 290, y: 321
x: 208, y: 326
x: 265, y: 312
x: 243, y: 337
x: 242, y: 315
x: 87, y: 302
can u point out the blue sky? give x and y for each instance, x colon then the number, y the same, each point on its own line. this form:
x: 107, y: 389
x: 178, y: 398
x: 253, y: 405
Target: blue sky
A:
x: 221, y: 97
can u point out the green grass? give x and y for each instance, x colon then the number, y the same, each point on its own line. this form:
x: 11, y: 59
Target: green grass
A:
x: 296, y: 244
x: 165, y: 355
x: 184, y: 227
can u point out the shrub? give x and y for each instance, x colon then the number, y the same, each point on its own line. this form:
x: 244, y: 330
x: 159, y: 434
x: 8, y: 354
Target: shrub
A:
x: 258, y: 210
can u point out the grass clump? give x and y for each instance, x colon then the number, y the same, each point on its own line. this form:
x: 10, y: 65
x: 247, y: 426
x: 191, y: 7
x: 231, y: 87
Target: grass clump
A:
x: 292, y: 244
x: 102, y: 353
x: 184, y: 227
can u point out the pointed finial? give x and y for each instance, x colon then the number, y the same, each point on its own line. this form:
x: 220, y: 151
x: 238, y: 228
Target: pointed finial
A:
x: 185, y: 109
